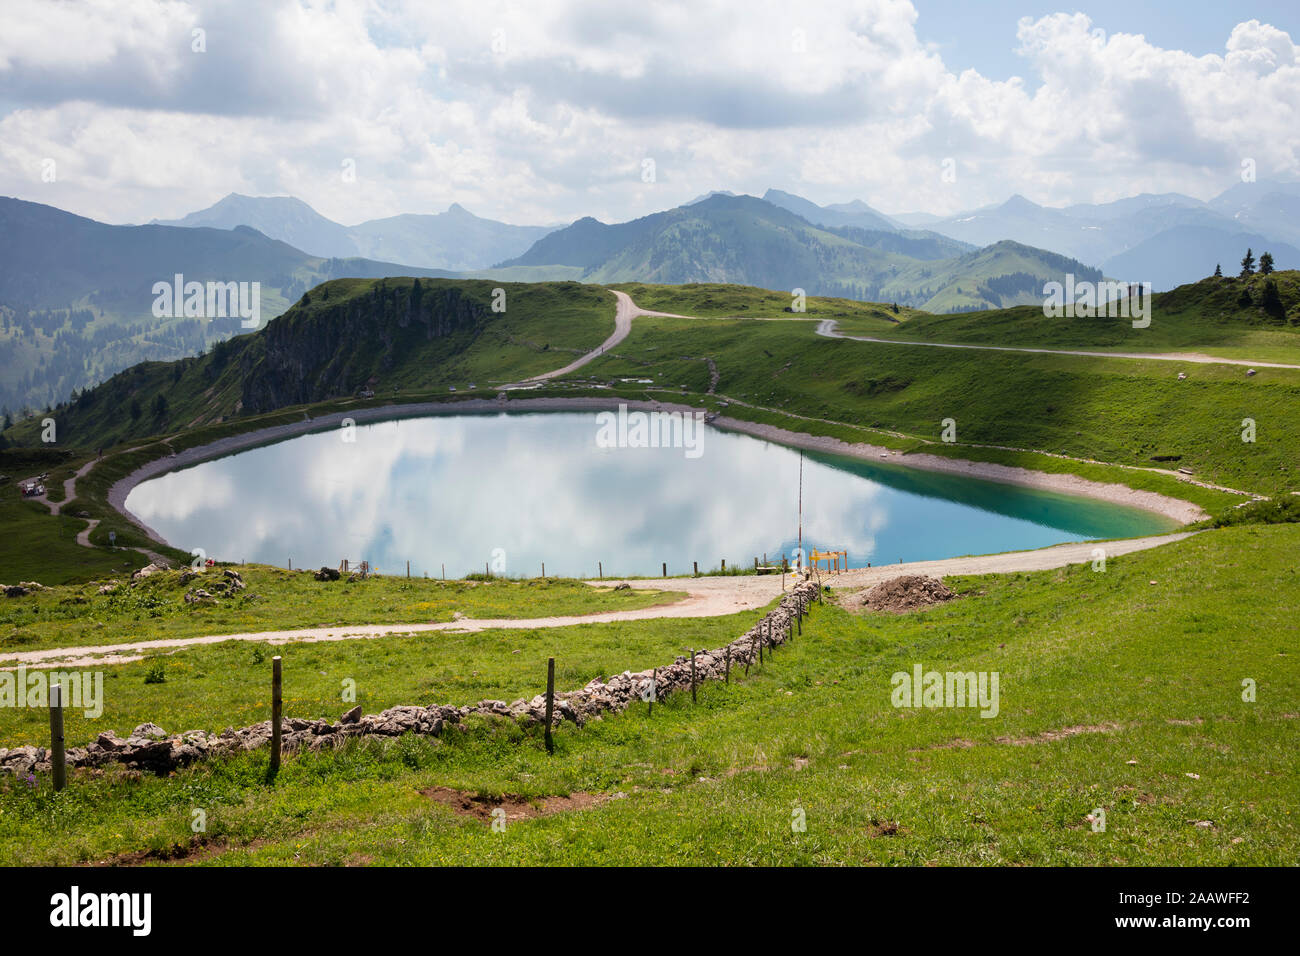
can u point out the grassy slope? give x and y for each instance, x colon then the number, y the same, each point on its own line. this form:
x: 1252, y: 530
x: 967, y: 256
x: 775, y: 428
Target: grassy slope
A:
x: 540, y: 320
x: 1114, y: 410
x: 1138, y: 669
x: 276, y: 599
x: 38, y: 547
x: 956, y: 283
x: 1204, y: 317
x: 544, y: 326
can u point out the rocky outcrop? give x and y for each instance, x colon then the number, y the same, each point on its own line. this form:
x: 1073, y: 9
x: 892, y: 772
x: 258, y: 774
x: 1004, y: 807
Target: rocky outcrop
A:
x: 151, y: 748
x: 310, y: 354
x: 147, y: 571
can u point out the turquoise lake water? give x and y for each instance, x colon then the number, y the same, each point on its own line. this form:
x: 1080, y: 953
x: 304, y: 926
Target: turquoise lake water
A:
x: 511, y: 491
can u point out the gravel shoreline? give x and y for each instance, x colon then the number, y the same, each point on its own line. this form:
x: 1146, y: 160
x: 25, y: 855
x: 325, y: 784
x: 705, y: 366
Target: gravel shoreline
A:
x: 1184, y: 512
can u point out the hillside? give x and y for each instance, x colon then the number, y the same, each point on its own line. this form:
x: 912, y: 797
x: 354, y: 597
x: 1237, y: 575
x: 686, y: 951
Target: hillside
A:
x: 1226, y: 316
x: 997, y: 276
x: 403, y: 334
x: 77, y: 300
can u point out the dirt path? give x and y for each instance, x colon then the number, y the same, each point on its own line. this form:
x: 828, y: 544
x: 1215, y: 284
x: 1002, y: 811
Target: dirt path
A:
x: 827, y: 328
x: 626, y: 311
x: 70, y: 492
x: 706, y: 597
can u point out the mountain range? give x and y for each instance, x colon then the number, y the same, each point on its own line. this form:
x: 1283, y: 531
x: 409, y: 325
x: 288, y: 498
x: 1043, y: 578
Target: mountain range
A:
x: 75, y: 294
x: 456, y: 240
x: 1166, y: 239
x: 750, y: 241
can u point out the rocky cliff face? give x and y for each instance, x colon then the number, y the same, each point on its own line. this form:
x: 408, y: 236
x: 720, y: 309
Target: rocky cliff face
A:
x: 321, y: 351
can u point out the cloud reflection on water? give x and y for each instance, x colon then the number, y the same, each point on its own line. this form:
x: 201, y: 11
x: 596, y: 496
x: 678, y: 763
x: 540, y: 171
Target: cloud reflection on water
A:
x: 453, y: 489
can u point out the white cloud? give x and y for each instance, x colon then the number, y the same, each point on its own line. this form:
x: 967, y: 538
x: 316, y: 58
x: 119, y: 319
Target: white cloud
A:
x: 543, y: 112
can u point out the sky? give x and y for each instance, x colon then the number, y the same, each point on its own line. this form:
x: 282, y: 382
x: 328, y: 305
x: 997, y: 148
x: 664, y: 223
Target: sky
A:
x: 545, y: 111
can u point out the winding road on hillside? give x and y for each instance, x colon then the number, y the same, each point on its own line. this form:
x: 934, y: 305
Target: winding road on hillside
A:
x: 706, y: 597
x: 828, y: 328
x: 70, y: 492
x: 625, y: 311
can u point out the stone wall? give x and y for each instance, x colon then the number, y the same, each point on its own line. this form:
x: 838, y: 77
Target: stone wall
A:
x: 151, y: 748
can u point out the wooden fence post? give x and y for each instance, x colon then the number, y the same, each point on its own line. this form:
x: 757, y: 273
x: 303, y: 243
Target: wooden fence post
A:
x: 750, y: 658
x: 550, y: 702
x: 692, y: 675
x: 543, y: 569
x: 727, y: 674
x: 724, y: 565
x: 696, y: 566
x: 600, y: 570
x: 408, y: 569
x: 275, y: 713
x: 665, y: 574
x: 654, y: 691
x: 58, y: 763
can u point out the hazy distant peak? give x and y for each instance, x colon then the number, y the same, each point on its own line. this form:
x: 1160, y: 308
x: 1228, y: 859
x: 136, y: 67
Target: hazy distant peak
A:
x: 1019, y: 203
x: 709, y: 195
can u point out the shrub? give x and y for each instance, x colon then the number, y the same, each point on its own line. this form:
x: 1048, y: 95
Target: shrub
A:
x: 1281, y: 510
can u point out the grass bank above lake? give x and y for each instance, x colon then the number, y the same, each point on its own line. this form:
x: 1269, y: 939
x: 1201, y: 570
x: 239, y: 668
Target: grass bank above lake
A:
x: 275, y: 599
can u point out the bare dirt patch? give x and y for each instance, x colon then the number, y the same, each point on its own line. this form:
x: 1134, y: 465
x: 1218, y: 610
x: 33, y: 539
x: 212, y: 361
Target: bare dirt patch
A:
x: 198, y: 848
x: 910, y: 592
x: 1047, y: 736
x: 481, y: 806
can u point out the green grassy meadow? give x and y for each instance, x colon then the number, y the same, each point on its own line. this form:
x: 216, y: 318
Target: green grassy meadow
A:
x: 1120, y: 691
x: 1120, y: 411
x: 1206, y: 317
